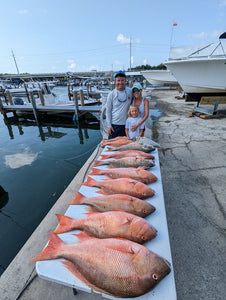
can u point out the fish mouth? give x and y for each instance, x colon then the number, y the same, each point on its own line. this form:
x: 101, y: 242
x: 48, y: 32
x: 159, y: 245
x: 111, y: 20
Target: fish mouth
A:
x: 167, y: 263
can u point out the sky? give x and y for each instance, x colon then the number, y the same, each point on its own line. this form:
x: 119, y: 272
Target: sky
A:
x: 50, y: 36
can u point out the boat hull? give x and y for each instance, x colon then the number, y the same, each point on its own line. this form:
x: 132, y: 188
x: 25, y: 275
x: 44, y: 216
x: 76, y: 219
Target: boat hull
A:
x: 200, y: 76
x: 159, y: 77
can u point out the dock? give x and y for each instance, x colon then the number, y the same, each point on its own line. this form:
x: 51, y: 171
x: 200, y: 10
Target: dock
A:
x: 193, y: 181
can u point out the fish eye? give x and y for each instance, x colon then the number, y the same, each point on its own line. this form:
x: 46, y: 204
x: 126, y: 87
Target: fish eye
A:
x: 143, y: 238
x: 144, y: 211
x: 154, y: 276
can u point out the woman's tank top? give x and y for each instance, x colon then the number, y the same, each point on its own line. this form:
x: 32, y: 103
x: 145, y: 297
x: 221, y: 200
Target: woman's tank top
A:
x: 141, y: 108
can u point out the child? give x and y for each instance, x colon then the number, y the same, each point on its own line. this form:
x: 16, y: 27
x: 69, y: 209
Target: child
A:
x: 134, y: 118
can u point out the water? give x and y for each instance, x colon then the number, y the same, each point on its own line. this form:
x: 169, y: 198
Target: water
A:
x: 36, y: 165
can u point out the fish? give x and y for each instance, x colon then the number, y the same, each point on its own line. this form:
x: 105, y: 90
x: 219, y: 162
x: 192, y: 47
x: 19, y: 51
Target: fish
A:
x: 133, y: 146
x: 126, y: 186
x: 109, y: 224
x: 121, y: 154
x: 116, y: 143
x: 127, y: 162
x: 113, y: 202
x: 146, y: 141
x: 138, y: 174
x: 116, y: 267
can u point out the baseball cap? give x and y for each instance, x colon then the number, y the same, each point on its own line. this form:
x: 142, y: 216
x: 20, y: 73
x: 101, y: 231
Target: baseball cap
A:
x: 137, y: 86
x: 120, y: 73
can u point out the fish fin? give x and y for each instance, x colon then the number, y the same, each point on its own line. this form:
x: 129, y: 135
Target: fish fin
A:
x: 72, y: 268
x: 90, y: 182
x: 96, y: 171
x: 122, y: 248
x: 83, y: 236
x: 105, y: 156
x: 111, y: 148
x: 52, y: 250
x: 66, y: 224
x: 102, y: 192
x: 78, y: 199
x: 98, y: 163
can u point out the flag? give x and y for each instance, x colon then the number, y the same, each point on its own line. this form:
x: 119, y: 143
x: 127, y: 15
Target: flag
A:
x: 174, y: 24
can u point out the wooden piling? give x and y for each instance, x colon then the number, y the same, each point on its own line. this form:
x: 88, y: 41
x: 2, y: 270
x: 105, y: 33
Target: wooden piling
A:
x: 81, y: 97
x: 41, y: 97
x: 9, y: 97
x: 31, y: 96
x: 75, y: 98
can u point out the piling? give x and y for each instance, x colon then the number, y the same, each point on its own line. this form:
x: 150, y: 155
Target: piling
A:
x: 9, y: 97
x: 41, y: 97
x: 75, y: 98
x: 31, y: 96
x: 81, y: 97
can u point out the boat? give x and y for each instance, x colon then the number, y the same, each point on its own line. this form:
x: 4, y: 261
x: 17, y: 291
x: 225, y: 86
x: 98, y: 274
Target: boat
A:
x: 159, y: 77
x: 200, y: 72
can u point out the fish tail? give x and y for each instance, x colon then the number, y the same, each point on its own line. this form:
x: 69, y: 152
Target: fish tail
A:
x: 96, y: 172
x: 82, y: 236
x: 78, y: 199
x: 89, y: 182
x: 98, y: 163
x: 52, y: 250
x: 105, y: 156
x: 111, y: 148
x: 66, y: 224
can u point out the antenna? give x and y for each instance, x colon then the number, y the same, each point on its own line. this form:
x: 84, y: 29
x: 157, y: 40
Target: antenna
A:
x: 130, y: 53
x: 15, y: 62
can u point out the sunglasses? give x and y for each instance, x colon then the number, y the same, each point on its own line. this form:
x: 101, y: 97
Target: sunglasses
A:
x: 136, y: 91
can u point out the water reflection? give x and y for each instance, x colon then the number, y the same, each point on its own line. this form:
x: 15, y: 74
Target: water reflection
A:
x: 47, y: 123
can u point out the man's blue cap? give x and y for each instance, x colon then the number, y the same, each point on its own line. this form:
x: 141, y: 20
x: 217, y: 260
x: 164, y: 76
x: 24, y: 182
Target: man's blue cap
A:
x: 120, y: 73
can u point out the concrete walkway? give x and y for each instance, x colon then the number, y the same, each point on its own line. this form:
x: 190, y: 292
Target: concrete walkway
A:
x: 193, y: 167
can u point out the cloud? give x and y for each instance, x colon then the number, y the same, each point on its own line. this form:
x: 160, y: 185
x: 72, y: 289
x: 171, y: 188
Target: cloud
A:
x: 23, y: 11
x: 222, y: 3
x: 15, y: 161
x: 72, y: 64
x: 122, y: 39
x: 145, y: 61
x: 203, y: 35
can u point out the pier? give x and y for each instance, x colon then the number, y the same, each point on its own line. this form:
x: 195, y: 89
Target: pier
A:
x: 194, y: 200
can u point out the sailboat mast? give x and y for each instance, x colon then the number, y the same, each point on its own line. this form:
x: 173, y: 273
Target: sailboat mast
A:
x: 15, y: 62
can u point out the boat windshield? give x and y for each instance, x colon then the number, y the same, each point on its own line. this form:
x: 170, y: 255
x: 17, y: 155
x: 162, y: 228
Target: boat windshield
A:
x: 199, y: 51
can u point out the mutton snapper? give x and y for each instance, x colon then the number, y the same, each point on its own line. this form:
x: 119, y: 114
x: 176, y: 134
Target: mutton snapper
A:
x: 117, y: 267
x: 118, y: 224
x: 121, y: 154
x: 126, y: 186
x: 133, y: 146
x: 138, y: 174
x: 127, y: 162
x: 113, y: 202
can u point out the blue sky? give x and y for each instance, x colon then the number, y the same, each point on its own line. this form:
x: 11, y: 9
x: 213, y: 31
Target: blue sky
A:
x: 82, y: 35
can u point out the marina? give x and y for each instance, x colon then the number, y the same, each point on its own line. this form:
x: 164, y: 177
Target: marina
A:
x: 29, y: 284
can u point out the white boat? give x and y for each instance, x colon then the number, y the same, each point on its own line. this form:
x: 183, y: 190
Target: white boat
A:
x: 159, y: 77
x: 203, y: 71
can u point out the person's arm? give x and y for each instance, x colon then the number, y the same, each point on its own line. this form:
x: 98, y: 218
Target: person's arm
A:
x: 146, y: 115
x: 109, y: 113
x: 141, y: 132
x: 127, y: 132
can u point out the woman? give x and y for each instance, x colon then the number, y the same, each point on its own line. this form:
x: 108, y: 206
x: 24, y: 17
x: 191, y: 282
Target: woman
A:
x: 142, y: 103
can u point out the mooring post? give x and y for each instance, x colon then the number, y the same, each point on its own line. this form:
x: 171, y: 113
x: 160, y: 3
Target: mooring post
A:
x: 75, y: 98
x: 9, y: 97
x: 81, y: 97
x: 41, y: 97
x: 31, y: 96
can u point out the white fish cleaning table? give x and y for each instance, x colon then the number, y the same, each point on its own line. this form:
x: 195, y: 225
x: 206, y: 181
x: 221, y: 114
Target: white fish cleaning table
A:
x: 55, y: 271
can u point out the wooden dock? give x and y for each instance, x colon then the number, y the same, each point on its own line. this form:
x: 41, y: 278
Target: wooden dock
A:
x: 36, y: 108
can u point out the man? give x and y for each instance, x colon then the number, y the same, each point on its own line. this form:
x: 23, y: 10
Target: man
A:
x: 118, y: 102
